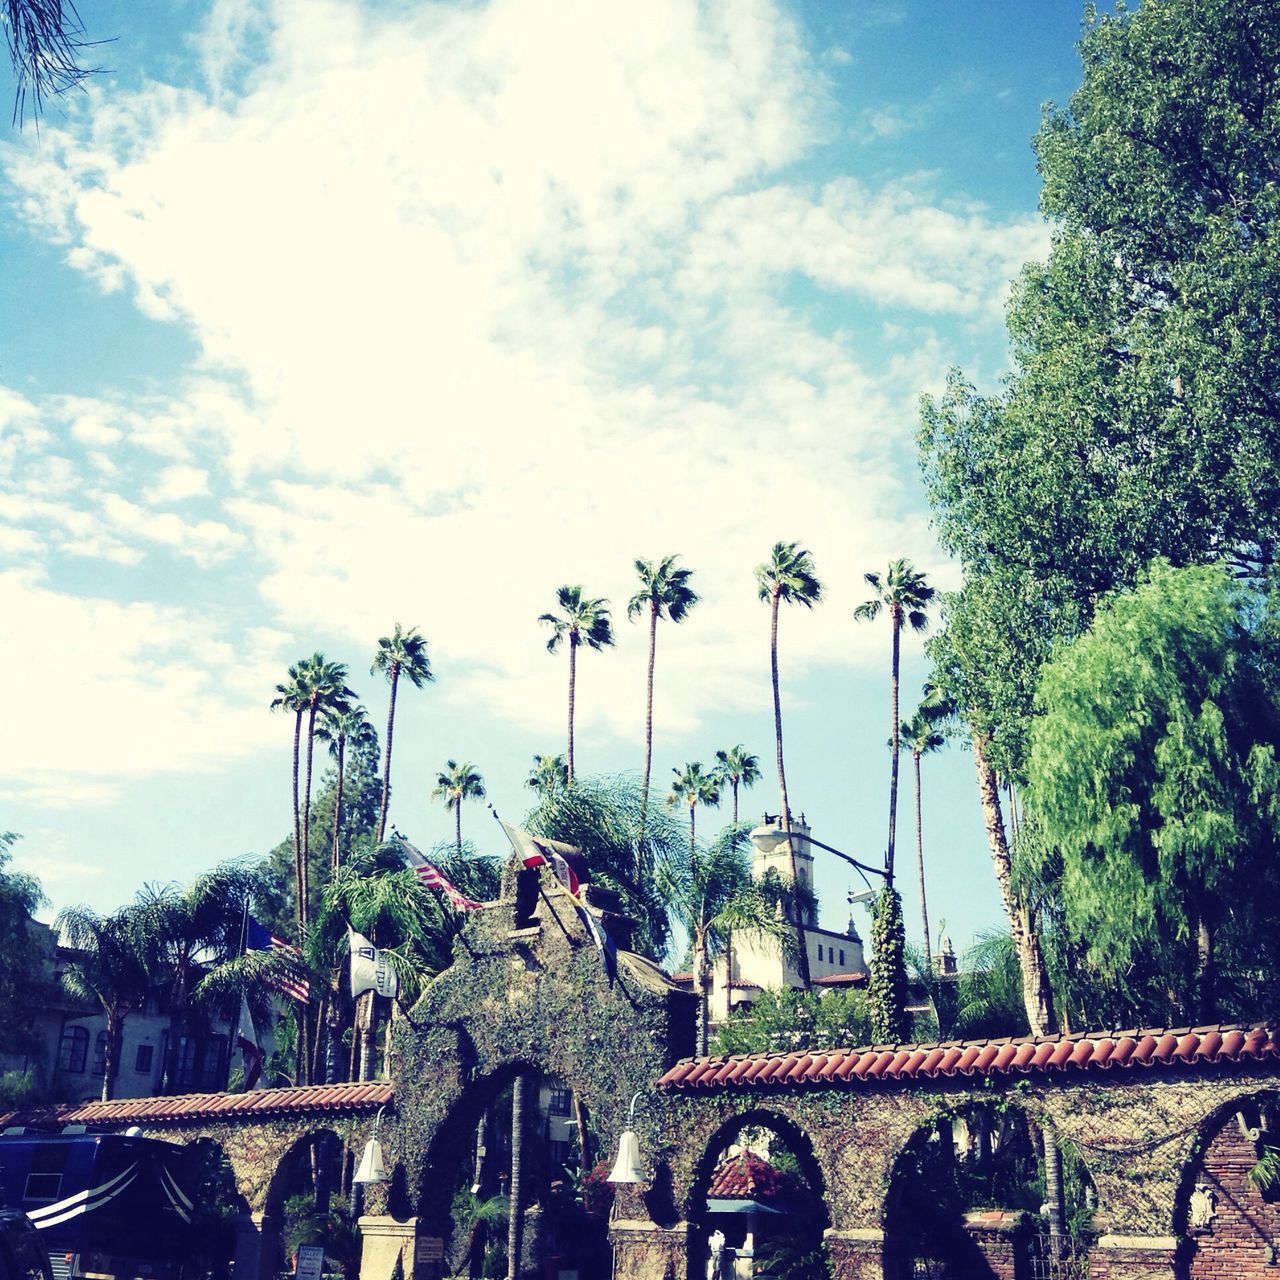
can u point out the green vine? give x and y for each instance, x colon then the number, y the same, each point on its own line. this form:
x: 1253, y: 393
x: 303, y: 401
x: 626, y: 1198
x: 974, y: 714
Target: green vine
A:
x: 887, y: 989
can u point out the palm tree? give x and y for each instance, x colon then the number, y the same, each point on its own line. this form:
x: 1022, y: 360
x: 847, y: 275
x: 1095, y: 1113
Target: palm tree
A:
x: 692, y: 787
x: 664, y: 592
x: 788, y: 575
x: 340, y: 727
x: 292, y: 696
x: 106, y: 969
x: 584, y: 620
x: 515, y: 1220
x: 454, y: 784
x: 549, y: 775
x: 904, y: 593
x: 710, y: 896
x: 402, y: 653
x: 736, y: 768
x: 919, y: 736
x: 191, y: 940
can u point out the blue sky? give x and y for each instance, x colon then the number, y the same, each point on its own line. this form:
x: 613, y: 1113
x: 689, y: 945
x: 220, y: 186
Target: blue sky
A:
x: 321, y: 315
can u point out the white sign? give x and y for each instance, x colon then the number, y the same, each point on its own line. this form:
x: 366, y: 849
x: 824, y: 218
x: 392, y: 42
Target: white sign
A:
x: 310, y: 1262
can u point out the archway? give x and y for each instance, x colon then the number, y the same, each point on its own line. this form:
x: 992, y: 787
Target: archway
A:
x: 756, y: 1205
x: 971, y: 1195
x: 217, y: 1208
x: 304, y: 1199
x: 475, y: 1161
x: 1229, y: 1199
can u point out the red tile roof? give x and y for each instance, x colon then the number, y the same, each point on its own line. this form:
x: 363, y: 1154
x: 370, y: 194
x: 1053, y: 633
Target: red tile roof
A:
x: 746, y: 1176
x: 1099, y: 1050
x: 365, y: 1095
x: 858, y: 979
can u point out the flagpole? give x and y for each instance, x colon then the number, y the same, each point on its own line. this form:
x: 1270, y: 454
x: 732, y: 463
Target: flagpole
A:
x: 244, y: 994
x: 542, y: 893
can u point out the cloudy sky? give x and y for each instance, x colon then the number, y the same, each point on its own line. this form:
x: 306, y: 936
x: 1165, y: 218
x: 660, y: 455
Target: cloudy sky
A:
x: 323, y: 314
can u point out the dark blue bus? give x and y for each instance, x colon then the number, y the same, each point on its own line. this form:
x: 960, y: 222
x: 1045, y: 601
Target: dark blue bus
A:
x: 108, y: 1207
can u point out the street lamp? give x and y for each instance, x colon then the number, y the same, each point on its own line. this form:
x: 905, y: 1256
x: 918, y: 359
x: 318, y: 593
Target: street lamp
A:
x: 627, y: 1168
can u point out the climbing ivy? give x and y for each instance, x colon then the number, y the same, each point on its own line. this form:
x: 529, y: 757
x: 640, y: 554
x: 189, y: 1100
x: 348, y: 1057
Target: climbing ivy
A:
x: 887, y: 989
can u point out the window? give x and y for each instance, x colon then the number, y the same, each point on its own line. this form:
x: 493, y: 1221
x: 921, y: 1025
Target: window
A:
x: 44, y: 1180
x: 143, y: 1061
x: 561, y: 1102
x: 842, y: 955
x: 74, y: 1049
x: 212, y: 1074
x: 559, y: 1152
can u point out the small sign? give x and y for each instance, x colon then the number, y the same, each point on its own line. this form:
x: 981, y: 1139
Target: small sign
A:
x: 429, y: 1249
x: 310, y: 1262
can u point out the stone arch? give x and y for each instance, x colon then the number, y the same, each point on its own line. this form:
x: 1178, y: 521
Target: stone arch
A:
x: 935, y: 1208
x: 1229, y: 1222
x: 292, y: 1167
x: 803, y: 1198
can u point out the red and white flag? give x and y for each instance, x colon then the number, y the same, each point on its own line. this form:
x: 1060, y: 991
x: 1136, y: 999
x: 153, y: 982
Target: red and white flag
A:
x: 569, y: 865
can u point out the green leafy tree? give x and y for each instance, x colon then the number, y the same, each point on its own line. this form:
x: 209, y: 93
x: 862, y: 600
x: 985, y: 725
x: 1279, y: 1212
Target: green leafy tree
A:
x: 1154, y: 773
x: 664, y: 593
x: 887, y: 989
x: 737, y: 767
x: 340, y: 728
x: 582, y: 620
x: 788, y: 1020
x: 548, y: 775
x: 709, y: 894
x: 21, y: 956
x: 455, y: 783
x: 691, y: 787
x: 920, y: 736
x: 108, y: 968
x: 787, y: 577
x: 402, y: 653
x: 903, y: 594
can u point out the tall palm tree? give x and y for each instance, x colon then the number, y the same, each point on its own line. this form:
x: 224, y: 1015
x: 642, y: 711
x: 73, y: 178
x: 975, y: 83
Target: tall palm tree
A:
x: 455, y: 783
x: 920, y: 736
x: 691, y: 787
x: 710, y: 896
x: 549, y: 775
x: 664, y: 593
x: 292, y: 696
x: 340, y: 728
x: 515, y: 1219
x: 904, y: 595
x: 787, y: 577
x: 581, y: 620
x: 402, y: 653
x: 736, y: 768
x: 106, y: 969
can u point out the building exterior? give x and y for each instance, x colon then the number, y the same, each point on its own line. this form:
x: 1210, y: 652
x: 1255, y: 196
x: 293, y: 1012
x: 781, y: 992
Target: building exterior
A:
x: 753, y: 963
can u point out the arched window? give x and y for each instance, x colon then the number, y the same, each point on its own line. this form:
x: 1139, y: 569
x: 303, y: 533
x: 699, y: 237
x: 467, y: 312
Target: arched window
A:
x: 74, y: 1049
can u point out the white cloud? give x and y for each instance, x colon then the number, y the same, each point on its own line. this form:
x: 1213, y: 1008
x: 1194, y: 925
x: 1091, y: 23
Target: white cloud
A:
x: 487, y: 300
x: 110, y: 690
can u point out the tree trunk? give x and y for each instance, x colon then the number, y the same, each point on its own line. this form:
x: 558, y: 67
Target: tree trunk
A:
x: 734, y: 783
x: 457, y: 825
x: 728, y: 972
x: 700, y: 990
x: 584, y: 1136
x: 109, y: 1056
x: 1207, y: 978
x: 573, y: 680
x: 322, y: 1026
x: 334, y: 1022
x: 306, y: 819
x: 693, y: 840
x: 386, y: 766
x: 802, y: 945
x: 1037, y: 996
x: 895, y: 621
x: 337, y: 804
x: 648, y: 728
x: 1052, y: 1183
x: 299, y: 906
x: 515, y: 1221
x: 369, y: 1042
x: 924, y: 906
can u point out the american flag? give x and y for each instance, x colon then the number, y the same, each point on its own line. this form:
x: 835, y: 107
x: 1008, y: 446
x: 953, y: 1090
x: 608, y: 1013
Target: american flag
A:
x: 433, y: 877
x: 257, y: 937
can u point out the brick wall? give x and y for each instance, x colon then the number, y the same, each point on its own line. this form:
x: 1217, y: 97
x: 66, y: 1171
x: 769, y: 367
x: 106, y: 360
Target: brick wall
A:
x: 1241, y: 1241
